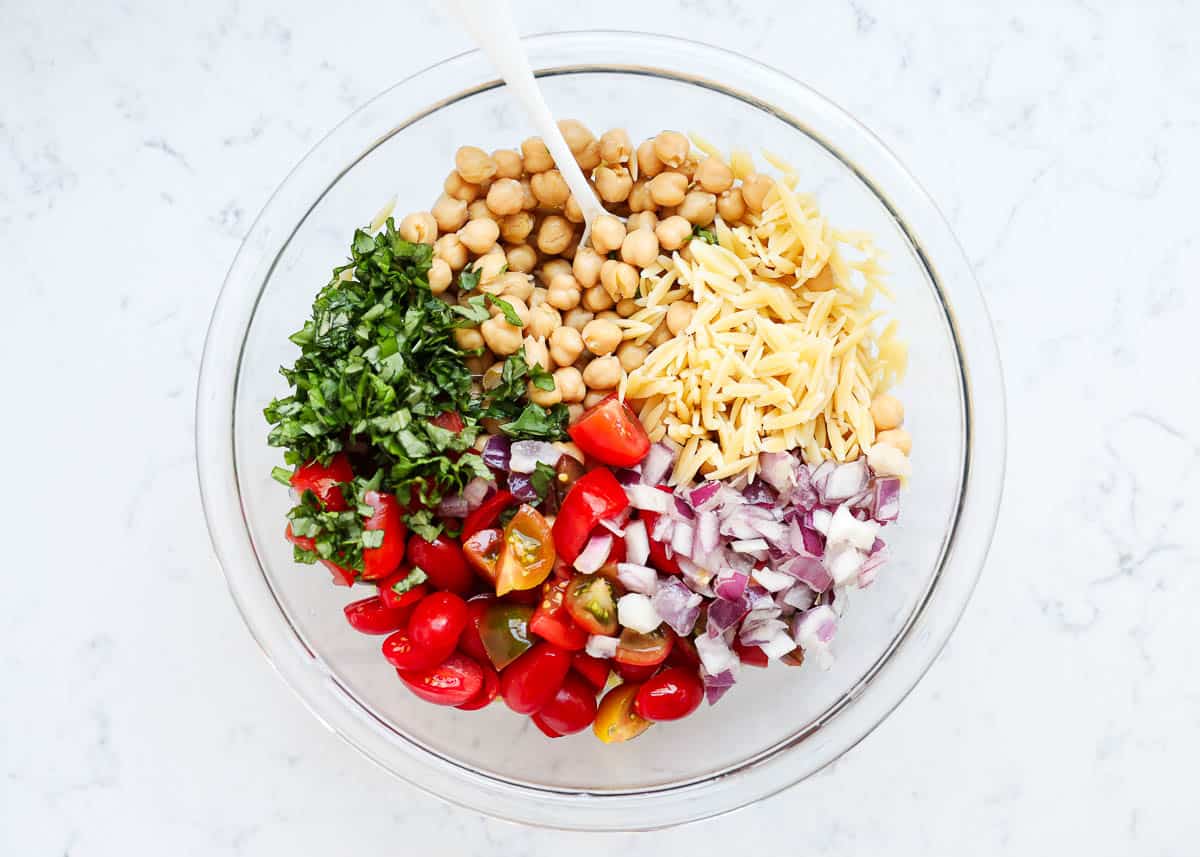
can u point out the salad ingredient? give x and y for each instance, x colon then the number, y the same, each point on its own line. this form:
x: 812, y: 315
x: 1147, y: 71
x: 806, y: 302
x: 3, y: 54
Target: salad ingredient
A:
x: 323, y: 481
x: 443, y: 563
x: 672, y: 694
x: 595, y: 496
x: 595, y: 552
x: 887, y: 412
x: 532, y: 679
x: 602, y: 646
x: 527, y: 554
x: 486, y: 694
x: 591, y: 603
x: 436, y: 623
x: 553, y: 622
x: 382, y: 555
x: 610, y: 433
x: 372, y: 616
x: 636, y: 611
x: 487, y: 514
x: 469, y: 641
x: 886, y: 460
x: 637, y: 649
x: 571, y: 709
x: 454, y: 681
x: 482, y: 551
x: 504, y: 632
x: 400, y: 651
x: 403, y: 588
x: 594, y: 670
x: 616, y: 719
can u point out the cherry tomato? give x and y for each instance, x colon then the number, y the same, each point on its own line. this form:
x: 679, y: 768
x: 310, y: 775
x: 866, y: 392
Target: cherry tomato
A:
x: 618, y: 553
x: 634, y: 673
x: 638, y: 650
x: 794, y: 658
x: 396, y: 592
x: 341, y: 576
x: 567, y: 472
x: 658, y: 551
x: 372, y: 616
x: 443, y: 561
x: 531, y: 680
x: 616, y: 719
x: 611, y: 433
x: 324, y: 480
x: 436, y: 623
x: 572, y: 708
x: 482, y: 551
x: 673, y: 693
x: 527, y: 554
x: 469, y: 642
x: 404, y: 655
x: 381, y: 561
x: 525, y: 597
x: 452, y: 682
x: 592, y: 604
x: 595, y: 670
x: 553, y: 623
x: 684, y: 654
x: 596, y: 496
x: 487, y: 694
x: 751, y: 656
x: 448, y: 420
x: 545, y: 730
x: 487, y: 514
x: 504, y: 632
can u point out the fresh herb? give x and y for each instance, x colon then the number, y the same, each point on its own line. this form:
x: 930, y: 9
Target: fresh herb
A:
x: 539, y: 423
x: 282, y: 475
x: 468, y: 280
x: 706, y: 235
x: 341, y: 536
x: 510, y: 314
x: 414, y: 578
x: 424, y: 524
x: 519, y: 417
x: 474, y: 312
x: 541, y: 378
x: 542, y: 479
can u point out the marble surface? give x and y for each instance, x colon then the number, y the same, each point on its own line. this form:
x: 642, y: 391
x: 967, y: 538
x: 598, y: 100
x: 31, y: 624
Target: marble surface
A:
x: 138, y: 140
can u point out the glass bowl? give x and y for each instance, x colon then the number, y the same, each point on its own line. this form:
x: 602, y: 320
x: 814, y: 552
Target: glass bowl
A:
x: 779, y: 725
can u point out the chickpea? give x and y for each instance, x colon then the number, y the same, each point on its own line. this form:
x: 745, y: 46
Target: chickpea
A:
x: 668, y: 188
x: 673, y: 232
x: 574, y: 412
x: 536, y: 156
x: 564, y: 292
x: 529, y: 201
x: 552, y: 268
x: 731, y: 206
x: 576, y: 134
x: 572, y: 211
x: 627, y: 307
x: 501, y: 337
x: 896, y: 437
x: 586, y: 266
x: 615, y: 147
x: 554, y: 234
x: 505, y: 197
x: 613, y: 185
x: 601, y: 336
x: 597, y: 298
x: 754, y: 191
x: 449, y: 213
x: 521, y: 258
x: 566, y: 344
x: 490, y: 265
x: 640, y: 248
x: 492, y: 377
x: 589, y: 158
x: 479, y: 235
x: 537, y: 297
x: 648, y: 161
x: 452, y: 250
x: 679, y: 316
x: 543, y: 321
x: 479, y: 364
x: 619, y: 279
x: 474, y: 164
x: 672, y: 148
x: 440, y: 276
x: 632, y: 356
x: 609, y: 315
x: 603, y: 373
x: 515, y: 228
x: 607, y: 234
x: 578, y: 318
x: 459, y: 188
x: 468, y: 338
x: 569, y: 382
x: 545, y: 398
x: 639, y: 197
x: 550, y: 188
x: 508, y: 164
x: 662, y: 334
x: 514, y: 284
x: 420, y: 227
x: 641, y: 220
x: 714, y: 175
x: 887, y: 412
x: 699, y: 207
x: 478, y: 210
x: 537, y: 353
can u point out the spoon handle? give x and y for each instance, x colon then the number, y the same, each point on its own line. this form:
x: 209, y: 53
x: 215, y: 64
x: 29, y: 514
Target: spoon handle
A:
x: 490, y: 24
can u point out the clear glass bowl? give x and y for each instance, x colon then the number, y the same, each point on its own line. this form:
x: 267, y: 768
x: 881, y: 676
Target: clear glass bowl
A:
x: 779, y: 725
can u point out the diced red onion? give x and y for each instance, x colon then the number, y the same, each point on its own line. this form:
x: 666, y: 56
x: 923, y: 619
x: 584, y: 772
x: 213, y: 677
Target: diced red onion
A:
x: 774, y: 532
x: 876, y: 546
x: 681, y: 538
x: 820, y: 475
x: 773, y: 581
x: 637, y: 578
x: 600, y: 646
x: 724, y: 614
x: 636, y: 611
x: 657, y: 464
x: 716, y: 686
x: 776, y: 470
x: 748, y: 545
x: 759, y: 494
x: 809, y: 571
x: 845, y: 481
x: 496, y: 453
x: 520, y: 485
x: 715, y: 654
x: 696, y: 577
x: 700, y: 496
x: 887, y: 499
x: 637, y: 542
x: 800, y: 596
x: 820, y: 520
x: 815, y: 627
x: 594, y: 553
x: 844, y: 528
x: 683, y: 510
x: 713, y: 694
x: 649, y: 498
x: 454, y: 506
x: 708, y: 531
x: 525, y: 455
x: 803, y: 494
x: 779, y: 645
x: 663, y: 528
x: 874, y: 561
x: 628, y: 477
x: 678, y: 606
x: 761, y: 600
x: 730, y: 584
x: 616, y: 524
x: 843, y: 562
x: 478, y: 490
x: 762, y: 631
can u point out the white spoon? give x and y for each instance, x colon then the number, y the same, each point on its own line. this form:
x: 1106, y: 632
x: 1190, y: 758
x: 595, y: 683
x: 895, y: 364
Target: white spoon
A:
x: 490, y: 24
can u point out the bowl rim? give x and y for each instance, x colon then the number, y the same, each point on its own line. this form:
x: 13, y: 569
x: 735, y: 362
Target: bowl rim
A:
x: 982, y: 461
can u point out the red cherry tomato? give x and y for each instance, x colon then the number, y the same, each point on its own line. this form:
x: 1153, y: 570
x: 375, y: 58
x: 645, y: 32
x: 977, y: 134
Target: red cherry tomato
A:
x: 596, y: 496
x: 486, y: 515
x: 379, y: 562
x: 658, y: 551
x: 396, y: 593
x: 443, y: 561
x: 341, y: 576
x: 504, y: 632
x: 372, y: 616
x: 553, y: 623
x: 684, y: 654
x: 545, y: 730
x: 469, y: 642
x: 595, y: 670
x: 572, y: 708
x: 487, y: 694
x: 633, y: 672
x: 323, y: 480
x: 482, y: 550
x: 531, y: 681
x: 673, y: 693
x: 751, y: 656
x: 448, y: 420
x: 616, y: 719
x: 400, y: 651
x: 527, y: 555
x: 526, y: 597
x: 436, y: 623
x: 452, y: 682
x: 637, y: 649
x: 611, y: 433
x: 592, y: 603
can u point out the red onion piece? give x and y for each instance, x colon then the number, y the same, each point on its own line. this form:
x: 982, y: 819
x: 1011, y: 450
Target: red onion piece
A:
x: 801, y: 596
x: 478, y: 490
x: 715, y: 654
x: 775, y: 468
x: 700, y: 496
x: 773, y: 581
x: 454, y: 506
x: 649, y: 499
x: 820, y: 475
x: 724, y: 614
x: 730, y: 584
x: 637, y: 542
x: 594, y: 553
x: 657, y: 464
x: 496, y: 453
x: 762, y: 631
x: 678, y: 606
x: 637, y: 578
x: 525, y: 455
x: 887, y: 499
x: 846, y: 481
x: 809, y: 571
x: 521, y: 487
x: 628, y: 477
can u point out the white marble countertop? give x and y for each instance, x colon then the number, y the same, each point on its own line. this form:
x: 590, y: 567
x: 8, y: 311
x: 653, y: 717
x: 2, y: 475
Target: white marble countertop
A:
x: 137, y: 142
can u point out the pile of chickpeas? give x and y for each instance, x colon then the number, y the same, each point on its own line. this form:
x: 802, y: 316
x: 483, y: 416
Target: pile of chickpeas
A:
x: 510, y: 217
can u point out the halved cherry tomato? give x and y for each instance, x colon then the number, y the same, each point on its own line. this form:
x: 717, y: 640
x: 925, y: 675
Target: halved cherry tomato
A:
x: 469, y: 642
x: 592, y: 604
x: 341, y: 576
x: 638, y: 650
x: 794, y: 658
x: 572, y: 708
x: 448, y: 420
x: 616, y: 719
x: 482, y: 551
x: 381, y: 561
x: 633, y: 672
x: 751, y: 656
x: 618, y: 552
x: 684, y: 654
x: 527, y: 554
x: 395, y: 591
x: 443, y: 561
x: 673, y: 693
x: 597, y: 495
x: 487, y: 694
x: 487, y: 514
x: 404, y: 655
x: 525, y: 597
x: 323, y: 481
x: 504, y: 632
x: 567, y: 472
x: 595, y: 670
x: 543, y: 728
x: 452, y: 682
x: 436, y: 623
x: 611, y: 433
x: 531, y: 680
x: 658, y: 551
x: 372, y: 616
x: 553, y: 623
